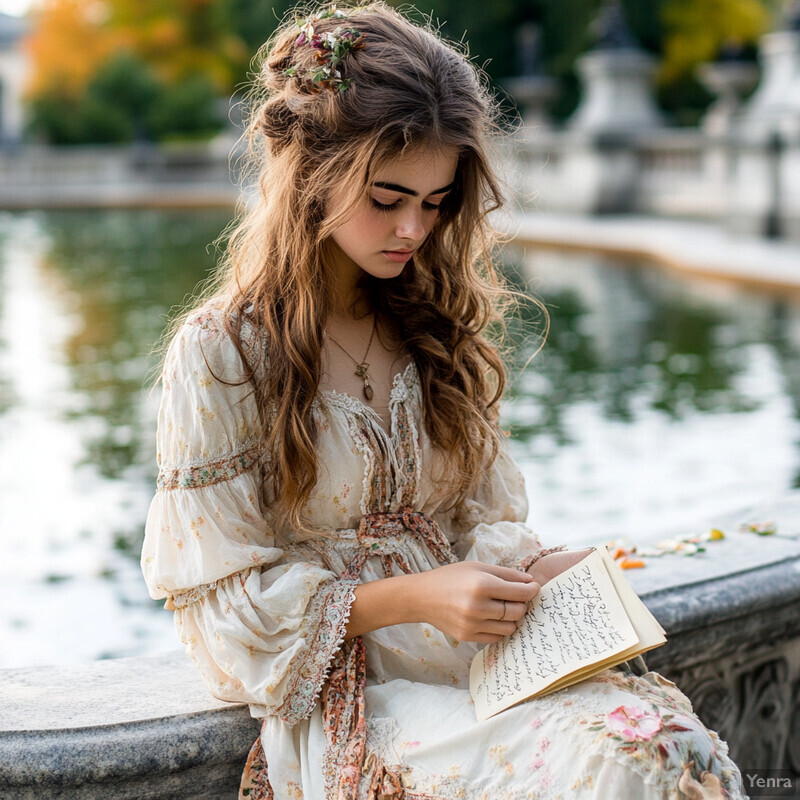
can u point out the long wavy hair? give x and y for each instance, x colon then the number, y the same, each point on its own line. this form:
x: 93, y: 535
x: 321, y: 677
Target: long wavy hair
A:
x: 408, y: 89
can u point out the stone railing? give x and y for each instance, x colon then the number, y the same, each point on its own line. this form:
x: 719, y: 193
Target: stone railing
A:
x: 132, y: 728
x: 107, y: 176
x: 749, y: 183
x: 147, y: 728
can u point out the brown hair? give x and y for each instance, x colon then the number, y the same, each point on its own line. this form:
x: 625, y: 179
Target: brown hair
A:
x: 408, y: 89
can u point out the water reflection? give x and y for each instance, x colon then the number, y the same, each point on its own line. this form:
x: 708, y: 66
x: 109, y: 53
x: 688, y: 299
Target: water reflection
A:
x: 632, y: 339
x: 123, y: 271
x: 86, y: 296
x: 654, y: 402
x: 657, y: 402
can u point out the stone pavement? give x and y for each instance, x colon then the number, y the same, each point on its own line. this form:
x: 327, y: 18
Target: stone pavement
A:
x: 693, y: 247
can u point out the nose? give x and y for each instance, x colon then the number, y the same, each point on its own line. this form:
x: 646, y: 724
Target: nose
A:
x: 410, y: 225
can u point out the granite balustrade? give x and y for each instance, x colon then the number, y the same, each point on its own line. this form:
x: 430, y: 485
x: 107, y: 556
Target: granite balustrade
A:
x: 147, y: 728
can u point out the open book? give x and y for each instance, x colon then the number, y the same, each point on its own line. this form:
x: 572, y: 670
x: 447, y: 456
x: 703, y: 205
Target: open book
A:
x: 583, y: 621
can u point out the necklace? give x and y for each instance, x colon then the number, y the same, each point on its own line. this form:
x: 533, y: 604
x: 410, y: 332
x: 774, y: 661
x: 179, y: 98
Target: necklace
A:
x: 362, y: 366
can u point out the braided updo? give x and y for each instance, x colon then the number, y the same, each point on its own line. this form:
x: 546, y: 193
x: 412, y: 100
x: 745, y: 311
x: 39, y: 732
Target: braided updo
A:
x: 405, y: 80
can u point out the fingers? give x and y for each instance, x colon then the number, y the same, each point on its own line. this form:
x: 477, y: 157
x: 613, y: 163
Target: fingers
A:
x: 513, y: 592
x: 505, y: 611
x: 498, y: 628
x: 514, y: 611
x: 519, y: 592
x: 507, y: 573
x: 487, y: 638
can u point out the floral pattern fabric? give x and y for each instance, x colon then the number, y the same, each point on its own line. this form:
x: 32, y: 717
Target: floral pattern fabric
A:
x: 263, y: 611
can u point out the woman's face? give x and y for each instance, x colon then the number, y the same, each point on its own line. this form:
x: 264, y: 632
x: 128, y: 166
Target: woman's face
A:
x: 397, y: 215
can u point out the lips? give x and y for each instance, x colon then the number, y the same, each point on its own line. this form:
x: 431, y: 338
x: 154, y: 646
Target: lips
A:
x: 398, y: 256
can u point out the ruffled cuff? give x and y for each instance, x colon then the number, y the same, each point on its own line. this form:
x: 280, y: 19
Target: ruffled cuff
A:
x: 502, y: 543
x: 328, y: 615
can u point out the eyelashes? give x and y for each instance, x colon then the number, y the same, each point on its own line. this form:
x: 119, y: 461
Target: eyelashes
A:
x: 391, y: 206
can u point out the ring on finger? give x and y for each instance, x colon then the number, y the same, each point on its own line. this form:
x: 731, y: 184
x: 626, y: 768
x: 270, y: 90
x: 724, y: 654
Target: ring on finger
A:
x: 502, y: 618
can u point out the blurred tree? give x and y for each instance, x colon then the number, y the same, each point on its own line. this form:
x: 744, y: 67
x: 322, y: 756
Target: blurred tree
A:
x: 696, y: 31
x: 254, y: 20
x: 113, y: 108
x: 99, y: 122
x: 186, y: 109
x: 197, y: 47
x: 179, y: 38
x: 126, y: 87
x: 122, y: 69
x: 67, y: 45
x: 52, y: 118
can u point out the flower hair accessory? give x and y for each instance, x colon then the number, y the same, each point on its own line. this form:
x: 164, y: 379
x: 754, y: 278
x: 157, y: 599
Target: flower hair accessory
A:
x: 331, y: 49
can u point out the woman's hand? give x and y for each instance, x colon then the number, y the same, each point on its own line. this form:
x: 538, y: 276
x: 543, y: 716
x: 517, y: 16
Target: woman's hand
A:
x: 472, y: 601
x: 547, y: 567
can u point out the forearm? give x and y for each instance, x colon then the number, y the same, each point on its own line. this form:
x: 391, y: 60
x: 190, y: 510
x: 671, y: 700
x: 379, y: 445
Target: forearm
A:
x: 384, y: 602
x: 468, y: 601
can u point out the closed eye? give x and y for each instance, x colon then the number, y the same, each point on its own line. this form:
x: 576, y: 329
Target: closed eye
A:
x: 392, y: 206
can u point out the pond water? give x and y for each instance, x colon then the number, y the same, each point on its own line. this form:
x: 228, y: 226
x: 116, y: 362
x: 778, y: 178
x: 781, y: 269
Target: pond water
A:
x: 656, y: 403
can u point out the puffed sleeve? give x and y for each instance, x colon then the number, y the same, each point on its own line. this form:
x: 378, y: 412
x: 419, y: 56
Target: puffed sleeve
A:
x: 489, y: 525
x: 261, y: 622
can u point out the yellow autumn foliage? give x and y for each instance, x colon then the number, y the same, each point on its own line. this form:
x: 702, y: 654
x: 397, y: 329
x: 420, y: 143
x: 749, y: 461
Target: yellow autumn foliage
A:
x: 67, y: 44
x: 696, y: 30
x: 72, y: 39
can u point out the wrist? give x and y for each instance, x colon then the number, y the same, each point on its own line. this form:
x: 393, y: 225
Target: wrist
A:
x: 411, y: 597
x: 385, y: 602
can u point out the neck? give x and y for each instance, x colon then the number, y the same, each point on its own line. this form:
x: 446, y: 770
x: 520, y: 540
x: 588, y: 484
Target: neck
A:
x: 348, y: 298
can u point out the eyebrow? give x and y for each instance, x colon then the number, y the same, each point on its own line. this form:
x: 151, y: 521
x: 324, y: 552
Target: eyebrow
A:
x: 395, y: 187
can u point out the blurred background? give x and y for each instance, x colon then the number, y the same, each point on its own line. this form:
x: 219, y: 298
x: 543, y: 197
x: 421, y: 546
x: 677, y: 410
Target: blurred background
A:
x: 662, y: 398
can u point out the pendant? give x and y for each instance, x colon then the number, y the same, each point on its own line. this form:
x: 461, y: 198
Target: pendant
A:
x: 361, y: 371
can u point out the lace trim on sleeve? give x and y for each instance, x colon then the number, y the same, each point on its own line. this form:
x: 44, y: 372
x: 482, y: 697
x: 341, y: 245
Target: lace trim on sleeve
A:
x: 207, y: 473
x: 183, y: 599
x: 328, y: 615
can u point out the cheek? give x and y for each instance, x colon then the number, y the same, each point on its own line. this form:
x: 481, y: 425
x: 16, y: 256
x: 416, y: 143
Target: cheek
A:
x: 367, y: 228
x: 370, y: 223
x: 347, y: 236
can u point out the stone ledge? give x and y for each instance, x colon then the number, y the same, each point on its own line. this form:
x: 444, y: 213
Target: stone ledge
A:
x: 699, y: 248
x: 721, y: 616
x: 140, y: 728
x: 131, y: 760
x: 147, y: 728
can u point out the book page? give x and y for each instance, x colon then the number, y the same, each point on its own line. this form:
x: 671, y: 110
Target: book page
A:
x: 647, y: 627
x: 576, y: 620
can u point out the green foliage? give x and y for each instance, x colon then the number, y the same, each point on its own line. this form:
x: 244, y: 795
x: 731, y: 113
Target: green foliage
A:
x: 53, y: 119
x: 125, y: 99
x: 696, y: 30
x: 100, y: 122
x: 124, y: 102
x: 63, y: 121
x: 127, y: 84
x: 254, y: 20
x: 188, y: 108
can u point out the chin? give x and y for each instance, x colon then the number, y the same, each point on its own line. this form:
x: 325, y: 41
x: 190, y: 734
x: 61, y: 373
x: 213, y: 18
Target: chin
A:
x: 387, y: 271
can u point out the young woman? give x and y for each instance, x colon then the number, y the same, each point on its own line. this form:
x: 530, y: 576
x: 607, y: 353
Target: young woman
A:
x: 338, y: 525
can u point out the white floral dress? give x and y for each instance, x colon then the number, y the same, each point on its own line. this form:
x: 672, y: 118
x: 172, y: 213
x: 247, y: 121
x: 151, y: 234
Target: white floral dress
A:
x: 263, y: 613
